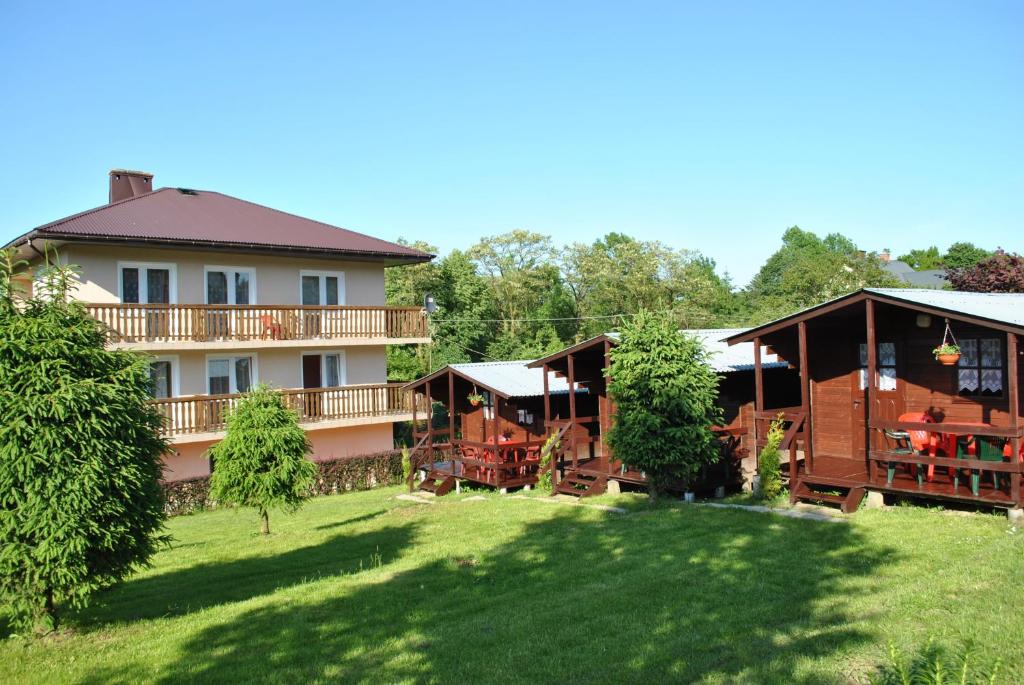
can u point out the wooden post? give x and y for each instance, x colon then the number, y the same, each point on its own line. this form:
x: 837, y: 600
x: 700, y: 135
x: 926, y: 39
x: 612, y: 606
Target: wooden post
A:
x: 805, y: 399
x: 553, y: 456
x: 869, y: 389
x: 1013, y: 395
x: 430, y: 429
x: 451, y: 417
x: 572, y: 408
x: 758, y: 403
x: 497, y: 456
x: 605, y: 421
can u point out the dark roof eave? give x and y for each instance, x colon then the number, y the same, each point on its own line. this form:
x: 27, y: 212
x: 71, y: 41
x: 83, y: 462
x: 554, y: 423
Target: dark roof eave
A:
x: 603, y: 337
x: 395, y: 258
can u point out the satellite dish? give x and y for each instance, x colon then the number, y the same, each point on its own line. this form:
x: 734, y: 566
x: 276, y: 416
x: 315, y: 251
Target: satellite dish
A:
x: 429, y: 303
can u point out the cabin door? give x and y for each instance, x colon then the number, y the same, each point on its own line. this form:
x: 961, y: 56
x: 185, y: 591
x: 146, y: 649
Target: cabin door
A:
x: 887, y: 399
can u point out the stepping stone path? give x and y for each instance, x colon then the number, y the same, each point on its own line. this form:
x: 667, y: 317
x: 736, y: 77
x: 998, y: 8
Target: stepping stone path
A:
x: 414, y: 498
x: 791, y: 513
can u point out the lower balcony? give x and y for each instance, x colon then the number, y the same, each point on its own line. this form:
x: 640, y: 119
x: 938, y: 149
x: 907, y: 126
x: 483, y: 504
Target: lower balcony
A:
x: 187, y: 326
x: 202, y: 417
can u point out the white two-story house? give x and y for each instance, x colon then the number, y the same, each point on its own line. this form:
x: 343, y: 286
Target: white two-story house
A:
x: 223, y: 293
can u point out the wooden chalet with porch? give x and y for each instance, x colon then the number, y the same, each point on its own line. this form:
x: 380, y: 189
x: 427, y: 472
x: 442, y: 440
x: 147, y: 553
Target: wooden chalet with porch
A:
x: 495, y: 426
x: 878, y: 412
x: 588, y: 464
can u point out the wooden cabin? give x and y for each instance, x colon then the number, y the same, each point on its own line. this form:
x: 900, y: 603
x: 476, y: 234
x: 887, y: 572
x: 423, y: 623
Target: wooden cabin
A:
x: 496, y: 442
x: 919, y: 427
x: 584, y: 365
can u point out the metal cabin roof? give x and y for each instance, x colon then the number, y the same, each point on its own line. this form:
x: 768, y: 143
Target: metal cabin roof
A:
x: 1002, y: 310
x: 726, y: 359
x: 512, y: 379
x: 1002, y: 307
x: 202, y: 218
x: 723, y: 357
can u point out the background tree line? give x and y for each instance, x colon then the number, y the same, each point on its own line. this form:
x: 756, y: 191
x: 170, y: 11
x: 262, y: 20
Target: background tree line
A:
x: 519, y: 296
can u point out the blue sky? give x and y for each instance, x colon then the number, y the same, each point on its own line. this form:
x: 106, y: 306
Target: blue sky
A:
x: 710, y: 126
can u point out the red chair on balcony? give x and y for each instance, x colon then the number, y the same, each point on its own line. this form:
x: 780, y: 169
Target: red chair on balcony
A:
x: 271, y: 327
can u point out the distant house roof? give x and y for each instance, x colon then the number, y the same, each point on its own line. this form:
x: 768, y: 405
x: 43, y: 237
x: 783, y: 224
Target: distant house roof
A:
x: 930, y: 278
x: 1000, y: 310
x: 210, y: 220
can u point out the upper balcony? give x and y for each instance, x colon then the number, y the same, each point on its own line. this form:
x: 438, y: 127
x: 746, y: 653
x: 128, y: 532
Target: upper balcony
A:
x: 159, y: 327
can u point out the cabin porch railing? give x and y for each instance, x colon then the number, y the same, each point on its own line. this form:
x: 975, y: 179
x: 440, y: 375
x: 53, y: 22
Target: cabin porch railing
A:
x: 1012, y: 466
x: 140, y: 323
x: 207, y: 413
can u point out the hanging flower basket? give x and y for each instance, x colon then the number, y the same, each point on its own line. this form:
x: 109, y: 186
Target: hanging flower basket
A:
x: 948, y: 353
x: 475, y: 399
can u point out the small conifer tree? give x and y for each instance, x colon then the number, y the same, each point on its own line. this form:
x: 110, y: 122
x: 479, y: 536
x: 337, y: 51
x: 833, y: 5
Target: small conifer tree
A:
x: 261, y: 462
x: 666, y: 396
x: 80, y: 451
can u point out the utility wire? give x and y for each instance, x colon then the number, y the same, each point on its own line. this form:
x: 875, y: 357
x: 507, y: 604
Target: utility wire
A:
x: 567, y: 318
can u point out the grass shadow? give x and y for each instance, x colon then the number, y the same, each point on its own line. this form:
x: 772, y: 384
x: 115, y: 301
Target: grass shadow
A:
x: 205, y: 585
x: 682, y: 595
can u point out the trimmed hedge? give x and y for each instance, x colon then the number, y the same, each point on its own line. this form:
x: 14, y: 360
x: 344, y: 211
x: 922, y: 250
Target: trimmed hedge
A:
x: 359, y: 472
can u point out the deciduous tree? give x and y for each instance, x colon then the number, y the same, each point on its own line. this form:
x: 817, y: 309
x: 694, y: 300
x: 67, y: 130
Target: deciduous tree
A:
x: 1000, y: 273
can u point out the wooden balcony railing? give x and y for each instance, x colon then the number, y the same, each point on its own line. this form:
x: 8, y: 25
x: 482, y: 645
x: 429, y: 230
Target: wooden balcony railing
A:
x: 137, y: 323
x: 206, y: 413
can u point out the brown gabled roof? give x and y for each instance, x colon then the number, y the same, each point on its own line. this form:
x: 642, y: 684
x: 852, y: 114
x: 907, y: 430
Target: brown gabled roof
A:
x: 207, y: 219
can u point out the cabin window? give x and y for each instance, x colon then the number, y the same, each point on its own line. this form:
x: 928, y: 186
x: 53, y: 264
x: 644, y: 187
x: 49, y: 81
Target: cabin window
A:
x: 886, y: 366
x: 980, y: 372
x: 488, y: 404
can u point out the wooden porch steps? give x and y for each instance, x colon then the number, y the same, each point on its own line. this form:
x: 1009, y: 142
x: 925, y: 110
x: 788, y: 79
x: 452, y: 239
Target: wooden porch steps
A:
x: 438, y: 483
x: 582, y: 484
x: 816, y: 489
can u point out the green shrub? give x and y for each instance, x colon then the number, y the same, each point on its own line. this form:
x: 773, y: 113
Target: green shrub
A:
x: 406, y: 464
x: 768, y: 461
x: 551, y: 445
x: 933, y: 664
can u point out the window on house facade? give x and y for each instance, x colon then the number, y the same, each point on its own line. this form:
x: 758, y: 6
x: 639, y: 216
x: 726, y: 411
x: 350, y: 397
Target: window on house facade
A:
x: 886, y: 366
x: 229, y: 285
x: 160, y: 377
x: 981, y: 368
x: 226, y: 375
x: 143, y: 283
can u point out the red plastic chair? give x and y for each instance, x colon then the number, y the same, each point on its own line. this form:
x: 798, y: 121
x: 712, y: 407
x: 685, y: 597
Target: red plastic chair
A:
x: 271, y: 327
x: 922, y: 441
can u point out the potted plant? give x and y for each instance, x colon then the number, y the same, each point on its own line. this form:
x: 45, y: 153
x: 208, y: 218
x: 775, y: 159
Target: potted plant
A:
x: 947, y: 354
x: 475, y: 399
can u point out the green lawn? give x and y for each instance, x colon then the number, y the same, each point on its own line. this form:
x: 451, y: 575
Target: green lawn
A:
x: 366, y: 588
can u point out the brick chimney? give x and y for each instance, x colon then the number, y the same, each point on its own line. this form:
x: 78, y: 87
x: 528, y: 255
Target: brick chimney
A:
x: 125, y: 184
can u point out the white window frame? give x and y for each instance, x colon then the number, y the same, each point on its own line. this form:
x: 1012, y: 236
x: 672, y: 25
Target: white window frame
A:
x: 232, y: 379
x: 323, y: 284
x: 230, y: 271
x: 172, y: 270
x: 175, y: 372
x: 342, y: 366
